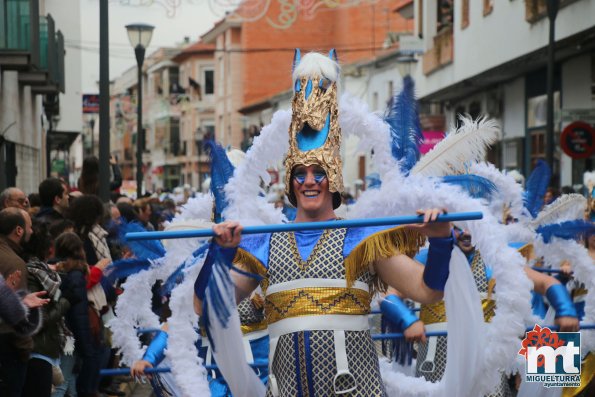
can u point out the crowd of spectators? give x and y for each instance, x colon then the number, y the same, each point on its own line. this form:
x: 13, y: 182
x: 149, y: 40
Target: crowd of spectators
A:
x: 54, y: 301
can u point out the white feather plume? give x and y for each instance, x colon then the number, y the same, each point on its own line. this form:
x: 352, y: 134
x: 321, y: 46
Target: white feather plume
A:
x: 314, y: 64
x: 356, y: 120
x: 243, y: 191
x: 567, y: 207
x: 509, y: 193
x: 468, y: 144
x: 589, y: 179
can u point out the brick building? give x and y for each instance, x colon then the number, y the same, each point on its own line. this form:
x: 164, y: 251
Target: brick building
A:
x: 253, y: 57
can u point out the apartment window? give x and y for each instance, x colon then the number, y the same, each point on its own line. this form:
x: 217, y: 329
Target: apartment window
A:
x: 488, y: 6
x: 209, y: 81
x: 511, y: 155
x: 174, y: 137
x: 420, y: 20
x: 445, y: 15
x: 460, y: 110
x: 174, y: 83
x: 391, y: 93
x: 537, y: 9
x: 464, y: 14
x: 474, y: 109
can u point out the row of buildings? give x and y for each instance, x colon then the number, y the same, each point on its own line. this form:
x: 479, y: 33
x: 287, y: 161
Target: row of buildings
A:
x: 473, y: 57
x: 35, y: 130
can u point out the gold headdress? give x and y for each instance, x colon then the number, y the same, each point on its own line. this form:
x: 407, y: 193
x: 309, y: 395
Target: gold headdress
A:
x: 314, y: 132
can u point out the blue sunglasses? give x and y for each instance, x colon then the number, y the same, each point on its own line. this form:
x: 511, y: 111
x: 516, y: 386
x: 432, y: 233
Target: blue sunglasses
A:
x: 301, y: 177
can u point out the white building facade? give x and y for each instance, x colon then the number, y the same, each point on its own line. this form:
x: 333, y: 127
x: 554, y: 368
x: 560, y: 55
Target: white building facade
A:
x: 489, y: 57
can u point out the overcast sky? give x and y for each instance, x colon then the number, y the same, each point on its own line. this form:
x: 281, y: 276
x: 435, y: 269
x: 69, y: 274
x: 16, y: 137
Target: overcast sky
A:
x: 190, y: 18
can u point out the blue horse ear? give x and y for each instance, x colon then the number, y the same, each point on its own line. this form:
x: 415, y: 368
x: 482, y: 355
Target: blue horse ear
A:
x: 297, y: 57
x: 332, y: 54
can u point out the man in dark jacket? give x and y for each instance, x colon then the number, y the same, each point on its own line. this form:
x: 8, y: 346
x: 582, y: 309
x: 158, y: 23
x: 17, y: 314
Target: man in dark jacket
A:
x: 53, y: 194
x: 15, y: 229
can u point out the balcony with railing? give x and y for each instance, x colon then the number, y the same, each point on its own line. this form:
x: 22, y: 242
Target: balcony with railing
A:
x: 30, y: 44
x: 441, y: 54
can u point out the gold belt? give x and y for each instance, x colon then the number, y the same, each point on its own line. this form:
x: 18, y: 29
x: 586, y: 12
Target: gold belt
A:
x: 316, y: 301
x: 436, y: 312
x: 247, y: 328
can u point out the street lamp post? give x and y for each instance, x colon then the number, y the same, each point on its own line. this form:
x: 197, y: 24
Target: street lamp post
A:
x: 140, y: 37
x: 552, y: 12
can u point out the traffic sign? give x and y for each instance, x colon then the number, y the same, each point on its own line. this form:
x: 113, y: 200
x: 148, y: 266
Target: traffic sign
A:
x: 578, y: 140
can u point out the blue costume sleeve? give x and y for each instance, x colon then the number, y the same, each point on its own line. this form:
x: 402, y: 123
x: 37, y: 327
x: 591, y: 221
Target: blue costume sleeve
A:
x: 437, y: 267
x: 395, y: 310
x: 560, y: 300
x: 257, y: 246
x: 422, y: 256
x: 356, y: 235
x: 156, y: 351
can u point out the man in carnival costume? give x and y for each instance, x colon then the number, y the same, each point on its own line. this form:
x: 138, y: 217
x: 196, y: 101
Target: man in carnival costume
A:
x: 318, y: 284
x: 431, y: 359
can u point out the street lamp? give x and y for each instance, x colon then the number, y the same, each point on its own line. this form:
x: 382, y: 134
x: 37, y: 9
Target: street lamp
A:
x: 140, y: 37
x: 404, y: 64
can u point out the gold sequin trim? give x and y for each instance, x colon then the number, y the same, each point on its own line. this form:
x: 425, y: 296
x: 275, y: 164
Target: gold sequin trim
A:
x: 381, y: 245
x: 296, y: 253
x: 248, y: 262
x: 313, y: 112
x: 246, y: 329
x: 316, y: 301
x: 436, y: 312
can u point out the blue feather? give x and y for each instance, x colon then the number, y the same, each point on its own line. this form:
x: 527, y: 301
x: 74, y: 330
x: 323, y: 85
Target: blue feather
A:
x: 476, y: 186
x: 536, y: 186
x: 178, y: 275
x: 405, y: 127
x: 373, y: 181
x: 569, y: 230
x: 143, y: 249
x: 219, y: 290
x: 221, y: 172
x: 124, y: 268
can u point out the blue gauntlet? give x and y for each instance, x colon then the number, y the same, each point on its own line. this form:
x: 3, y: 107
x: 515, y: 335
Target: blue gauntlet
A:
x: 561, y: 301
x: 156, y: 351
x: 395, y: 310
x: 437, y: 265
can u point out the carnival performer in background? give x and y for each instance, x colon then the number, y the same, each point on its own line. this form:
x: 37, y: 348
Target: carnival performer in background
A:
x: 318, y: 284
x: 251, y: 309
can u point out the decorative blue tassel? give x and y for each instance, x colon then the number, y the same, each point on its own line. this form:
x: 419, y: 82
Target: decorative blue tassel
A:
x: 477, y: 186
x: 405, y: 127
x: 124, y: 268
x: 150, y: 249
x: 569, y: 230
x: 178, y: 275
x: 214, y: 286
x: 398, y: 350
x: 536, y: 186
x: 157, y: 386
x: 221, y: 172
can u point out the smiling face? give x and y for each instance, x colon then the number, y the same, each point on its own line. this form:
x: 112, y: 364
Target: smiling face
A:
x: 464, y: 240
x: 311, y: 188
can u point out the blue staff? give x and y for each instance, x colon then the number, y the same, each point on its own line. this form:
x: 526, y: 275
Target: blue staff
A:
x: 294, y: 227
